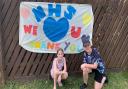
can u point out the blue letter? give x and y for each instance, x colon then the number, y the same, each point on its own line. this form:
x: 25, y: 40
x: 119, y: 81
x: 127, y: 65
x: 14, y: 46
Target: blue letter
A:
x: 71, y: 12
x: 67, y: 44
x: 56, y: 10
x: 39, y: 13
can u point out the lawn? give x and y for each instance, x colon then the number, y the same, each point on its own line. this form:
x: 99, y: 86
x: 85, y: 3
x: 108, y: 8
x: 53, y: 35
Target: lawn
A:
x: 116, y: 81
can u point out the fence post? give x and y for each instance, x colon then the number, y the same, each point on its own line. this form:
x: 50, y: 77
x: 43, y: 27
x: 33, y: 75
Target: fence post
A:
x: 2, y: 77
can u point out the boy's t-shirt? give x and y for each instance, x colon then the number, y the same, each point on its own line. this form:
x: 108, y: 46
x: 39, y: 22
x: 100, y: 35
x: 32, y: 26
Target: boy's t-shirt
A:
x: 94, y: 57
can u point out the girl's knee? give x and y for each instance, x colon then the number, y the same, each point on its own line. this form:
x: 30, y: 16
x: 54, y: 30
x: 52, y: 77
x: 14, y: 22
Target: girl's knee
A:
x: 65, y: 75
x: 56, y: 72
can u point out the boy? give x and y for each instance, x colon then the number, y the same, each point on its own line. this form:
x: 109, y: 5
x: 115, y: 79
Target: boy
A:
x: 92, y: 61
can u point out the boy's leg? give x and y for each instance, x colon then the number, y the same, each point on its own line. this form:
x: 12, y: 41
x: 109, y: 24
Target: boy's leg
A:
x: 85, y: 75
x: 99, y: 80
x: 86, y: 71
x: 99, y: 85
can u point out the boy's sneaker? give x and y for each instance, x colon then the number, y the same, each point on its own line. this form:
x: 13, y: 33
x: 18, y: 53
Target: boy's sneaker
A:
x: 83, y: 86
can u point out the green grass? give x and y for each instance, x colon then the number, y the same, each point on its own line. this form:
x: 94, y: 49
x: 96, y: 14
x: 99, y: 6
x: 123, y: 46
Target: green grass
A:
x: 116, y: 81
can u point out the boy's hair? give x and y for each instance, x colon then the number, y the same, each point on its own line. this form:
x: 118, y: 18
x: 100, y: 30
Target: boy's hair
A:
x: 85, y: 40
x: 86, y: 44
x: 60, y: 49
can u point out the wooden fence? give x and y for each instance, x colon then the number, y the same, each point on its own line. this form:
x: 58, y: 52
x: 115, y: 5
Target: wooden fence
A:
x: 110, y: 37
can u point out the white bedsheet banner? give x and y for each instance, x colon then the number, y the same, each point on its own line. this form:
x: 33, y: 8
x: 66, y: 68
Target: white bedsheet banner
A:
x: 45, y: 27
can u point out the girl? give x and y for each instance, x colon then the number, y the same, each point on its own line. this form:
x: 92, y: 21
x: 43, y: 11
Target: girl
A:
x: 59, y: 68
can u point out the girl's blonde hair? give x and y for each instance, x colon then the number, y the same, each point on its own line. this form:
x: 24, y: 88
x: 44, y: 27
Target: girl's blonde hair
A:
x: 60, y: 49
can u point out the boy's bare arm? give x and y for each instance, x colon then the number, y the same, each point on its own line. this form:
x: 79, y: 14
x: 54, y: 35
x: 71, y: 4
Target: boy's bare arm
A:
x: 92, y: 66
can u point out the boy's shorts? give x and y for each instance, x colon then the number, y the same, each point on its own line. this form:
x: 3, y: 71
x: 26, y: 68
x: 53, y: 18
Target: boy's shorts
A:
x: 98, y: 76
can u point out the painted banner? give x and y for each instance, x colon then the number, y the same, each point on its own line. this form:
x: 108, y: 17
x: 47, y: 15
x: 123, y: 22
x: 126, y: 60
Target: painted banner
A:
x: 45, y: 27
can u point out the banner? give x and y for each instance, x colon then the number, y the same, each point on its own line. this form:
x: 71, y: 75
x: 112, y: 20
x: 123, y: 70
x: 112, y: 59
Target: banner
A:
x: 45, y: 27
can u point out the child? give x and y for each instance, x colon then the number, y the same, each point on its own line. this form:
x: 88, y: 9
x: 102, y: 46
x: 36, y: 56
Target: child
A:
x: 59, y: 68
x: 92, y: 61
